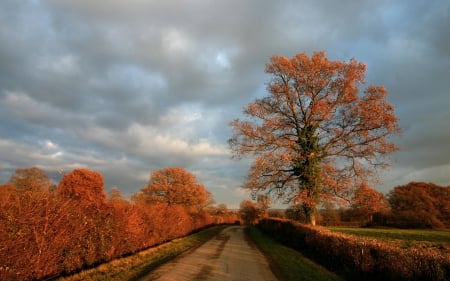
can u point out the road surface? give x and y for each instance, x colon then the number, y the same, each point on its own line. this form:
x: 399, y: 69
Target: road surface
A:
x: 228, y: 256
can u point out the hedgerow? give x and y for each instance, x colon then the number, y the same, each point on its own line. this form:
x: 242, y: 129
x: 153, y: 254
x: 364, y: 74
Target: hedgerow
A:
x: 45, y: 234
x: 357, y: 258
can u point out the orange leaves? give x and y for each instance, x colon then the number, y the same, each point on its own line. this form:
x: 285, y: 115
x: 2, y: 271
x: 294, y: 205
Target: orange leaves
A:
x: 314, y: 108
x: 33, y: 231
x: 176, y: 186
x: 45, y: 233
x: 419, y: 204
x: 357, y: 258
x: 368, y: 201
x: 377, y: 111
x: 279, y: 64
x: 83, y: 185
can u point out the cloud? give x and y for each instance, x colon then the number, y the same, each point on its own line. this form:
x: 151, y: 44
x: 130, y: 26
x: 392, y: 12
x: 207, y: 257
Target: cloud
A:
x: 126, y: 88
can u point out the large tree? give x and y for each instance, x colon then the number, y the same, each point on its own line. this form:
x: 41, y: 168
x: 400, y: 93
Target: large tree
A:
x: 315, y: 133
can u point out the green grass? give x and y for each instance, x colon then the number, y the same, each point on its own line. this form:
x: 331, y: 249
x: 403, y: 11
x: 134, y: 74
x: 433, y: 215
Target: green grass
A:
x: 138, y: 265
x: 288, y: 264
x: 403, y: 237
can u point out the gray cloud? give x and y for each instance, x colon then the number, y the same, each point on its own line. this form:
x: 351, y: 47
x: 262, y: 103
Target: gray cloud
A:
x: 130, y: 87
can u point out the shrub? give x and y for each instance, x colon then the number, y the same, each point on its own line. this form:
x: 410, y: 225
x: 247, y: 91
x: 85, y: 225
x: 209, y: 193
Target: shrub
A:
x: 44, y: 234
x: 359, y: 258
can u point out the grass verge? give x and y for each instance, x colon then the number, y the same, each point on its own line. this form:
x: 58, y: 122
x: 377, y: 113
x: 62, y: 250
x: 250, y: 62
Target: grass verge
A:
x: 138, y: 265
x: 288, y: 264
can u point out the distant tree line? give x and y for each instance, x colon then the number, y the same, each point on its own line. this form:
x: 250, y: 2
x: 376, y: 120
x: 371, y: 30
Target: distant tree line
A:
x: 47, y: 230
x: 414, y: 205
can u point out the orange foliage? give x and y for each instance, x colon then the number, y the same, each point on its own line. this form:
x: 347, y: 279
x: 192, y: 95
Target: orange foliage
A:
x: 44, y: 233
x: 32, y: 179
x: 82, y: 185
x: 32, y: 233
x: 357, y: 258
x: 176, y: 186
x: 368, y: 201
x: 88, y: 219
x: 419, y: 204
x: 314, y: 134
x: 249, y: 212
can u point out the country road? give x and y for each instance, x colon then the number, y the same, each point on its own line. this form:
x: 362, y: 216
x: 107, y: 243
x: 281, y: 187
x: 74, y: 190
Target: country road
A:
x: 228, y: 256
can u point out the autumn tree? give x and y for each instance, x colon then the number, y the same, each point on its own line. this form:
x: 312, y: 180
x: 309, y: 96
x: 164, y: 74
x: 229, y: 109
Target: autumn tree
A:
x: 315, y: 133
x: 90, y: 220
x: 46, y: 234
x: 32, y: 229
x: 419, y: 204
x: 31, y: 179
x: 249, y: 212
x: 368, y: 201
x: 82, y: 185
x: 219, y: 212
x: 115, y: 195
x: 175, y: 186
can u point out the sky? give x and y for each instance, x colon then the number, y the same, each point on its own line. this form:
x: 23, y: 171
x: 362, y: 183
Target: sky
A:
x: 129, y: 87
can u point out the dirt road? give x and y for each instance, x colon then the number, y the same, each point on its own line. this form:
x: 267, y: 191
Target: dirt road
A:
x: 228, y: 256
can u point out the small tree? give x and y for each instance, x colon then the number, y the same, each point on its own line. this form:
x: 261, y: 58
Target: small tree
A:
x: 176, y: 186
x: 314, y: 133
x: 82, y: 185
x: 249, y: 212
x: 31, y: 179
x: 115, y: 195
x: 368, y: 201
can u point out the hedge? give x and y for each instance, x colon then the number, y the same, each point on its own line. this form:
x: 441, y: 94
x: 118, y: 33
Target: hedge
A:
x: 357, y: 258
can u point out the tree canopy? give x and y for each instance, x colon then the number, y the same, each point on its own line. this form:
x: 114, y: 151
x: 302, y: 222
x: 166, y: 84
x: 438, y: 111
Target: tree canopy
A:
x: 31, y: 179
x: 420, y: 204
x: 315, y: 133
x: 83, y: 185
x: 176, y: 186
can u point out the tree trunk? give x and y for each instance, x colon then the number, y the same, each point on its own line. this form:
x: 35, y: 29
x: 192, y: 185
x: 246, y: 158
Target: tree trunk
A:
x: 310, y: 214
x: 311, y: 219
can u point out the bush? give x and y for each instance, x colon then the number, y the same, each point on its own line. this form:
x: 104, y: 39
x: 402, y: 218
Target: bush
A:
x: 358, y: 258
x: 44, y: 234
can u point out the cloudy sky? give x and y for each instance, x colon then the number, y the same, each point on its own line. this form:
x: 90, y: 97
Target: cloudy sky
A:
x: 129, y: 87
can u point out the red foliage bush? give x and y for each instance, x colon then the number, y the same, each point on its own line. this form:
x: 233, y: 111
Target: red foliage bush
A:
x: 358, y: 258
x: 45, y: 234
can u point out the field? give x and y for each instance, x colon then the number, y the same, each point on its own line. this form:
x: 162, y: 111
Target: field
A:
x: 404, y: 238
